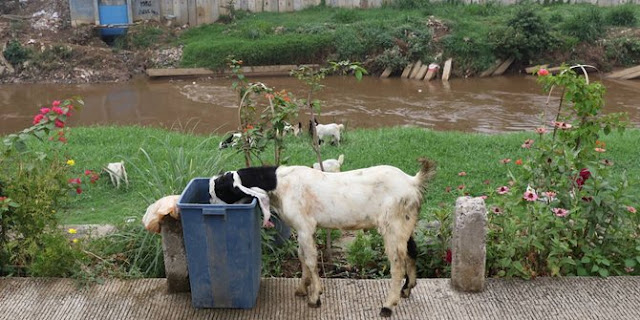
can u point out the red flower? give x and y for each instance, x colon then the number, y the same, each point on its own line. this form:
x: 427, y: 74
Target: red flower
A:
x: 543, y: 72
x: 38, y: 118
x: 3, y: 199
x: 87, y: 172
x: 519, y: 162
x: 75, y: 181
x: 56, y: 103
x: 59, y: 123
x: 57, y: 110
x: 44, y: 110
x: 448, y: 257
x: 62, y: 139
x: 78, y: 190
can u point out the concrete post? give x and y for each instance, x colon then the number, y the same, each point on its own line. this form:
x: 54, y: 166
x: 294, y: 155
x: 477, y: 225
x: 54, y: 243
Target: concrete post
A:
x: 175, y: 256
x: 469, y: 245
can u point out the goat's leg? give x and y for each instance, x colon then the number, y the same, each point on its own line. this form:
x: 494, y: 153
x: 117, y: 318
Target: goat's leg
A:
x: 411, y: 275
x: 310, y: 256
x: 305, y: 281
x: 396, y: 250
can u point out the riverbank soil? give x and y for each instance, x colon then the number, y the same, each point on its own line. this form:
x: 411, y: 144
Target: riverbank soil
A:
x: 40, y: 45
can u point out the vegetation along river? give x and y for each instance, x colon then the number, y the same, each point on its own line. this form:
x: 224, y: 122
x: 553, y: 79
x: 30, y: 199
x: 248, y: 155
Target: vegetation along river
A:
x: 489, y: 105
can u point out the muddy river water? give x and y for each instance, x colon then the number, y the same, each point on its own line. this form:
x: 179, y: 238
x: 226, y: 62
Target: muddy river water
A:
x: 489, y: 105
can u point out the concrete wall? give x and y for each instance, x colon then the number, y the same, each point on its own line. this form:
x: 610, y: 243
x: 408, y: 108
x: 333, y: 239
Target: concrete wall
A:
x: 195, y: 12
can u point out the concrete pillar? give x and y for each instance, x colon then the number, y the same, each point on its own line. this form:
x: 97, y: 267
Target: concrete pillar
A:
x: 175, y: 256
x: 468, y: 246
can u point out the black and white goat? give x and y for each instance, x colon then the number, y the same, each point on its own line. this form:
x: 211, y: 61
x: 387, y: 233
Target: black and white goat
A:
x: 381, y: 197
x: 230, y: 140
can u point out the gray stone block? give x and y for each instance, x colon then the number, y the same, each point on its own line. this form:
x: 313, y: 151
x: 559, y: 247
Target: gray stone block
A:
x: 468, y: 246
x: 175, y: 256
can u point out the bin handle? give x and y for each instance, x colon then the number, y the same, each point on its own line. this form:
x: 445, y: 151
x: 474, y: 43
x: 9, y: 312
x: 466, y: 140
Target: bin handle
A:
x: 216, y: 212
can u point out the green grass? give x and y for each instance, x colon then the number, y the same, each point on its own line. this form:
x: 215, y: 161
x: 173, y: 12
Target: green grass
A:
x: 476, y: 154
x: 317, y: 34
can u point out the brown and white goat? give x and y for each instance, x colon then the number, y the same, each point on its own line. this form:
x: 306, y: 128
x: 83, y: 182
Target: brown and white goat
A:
x: 381, y: 197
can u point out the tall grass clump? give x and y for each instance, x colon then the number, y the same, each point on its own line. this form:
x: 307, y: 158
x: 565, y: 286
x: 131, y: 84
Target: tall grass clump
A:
x: 586, y: 25
x: 622, y: 16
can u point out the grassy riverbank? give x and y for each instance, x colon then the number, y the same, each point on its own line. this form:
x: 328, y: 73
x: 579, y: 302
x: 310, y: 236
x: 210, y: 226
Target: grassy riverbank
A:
x: 174, y: 158
x: 410, y: 30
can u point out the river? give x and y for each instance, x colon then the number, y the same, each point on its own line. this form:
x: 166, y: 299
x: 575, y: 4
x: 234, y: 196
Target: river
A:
x: 203, y: 106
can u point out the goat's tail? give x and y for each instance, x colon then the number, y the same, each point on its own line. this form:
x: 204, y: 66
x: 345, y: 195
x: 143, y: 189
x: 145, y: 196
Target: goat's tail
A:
x: 427, y: 171
x: 341, y: 159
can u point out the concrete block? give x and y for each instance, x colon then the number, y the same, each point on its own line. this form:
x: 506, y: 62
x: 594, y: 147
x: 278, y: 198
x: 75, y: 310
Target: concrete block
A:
x: 446, y: 72
x: 415, y: 70
x: 175, y: 256
x: 407, y: 71
x: 468, y: 246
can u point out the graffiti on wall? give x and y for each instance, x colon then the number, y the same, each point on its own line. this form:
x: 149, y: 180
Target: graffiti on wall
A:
x: 147, y: 8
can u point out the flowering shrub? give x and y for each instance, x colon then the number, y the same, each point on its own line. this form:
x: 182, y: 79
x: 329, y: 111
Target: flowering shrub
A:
x: 565, y: 210
x: 35, y: 182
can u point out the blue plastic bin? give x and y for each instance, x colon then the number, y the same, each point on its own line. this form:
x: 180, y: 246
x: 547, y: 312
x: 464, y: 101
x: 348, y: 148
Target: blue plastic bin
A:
x: 222, y: 243
x: 113, y: 14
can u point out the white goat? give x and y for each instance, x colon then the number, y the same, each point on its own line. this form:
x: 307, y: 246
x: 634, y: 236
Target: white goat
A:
x: 381, y: 197
x: 329, y: 130
x: 293, y: 129
x: 117, y: 173
x: 331, y: 165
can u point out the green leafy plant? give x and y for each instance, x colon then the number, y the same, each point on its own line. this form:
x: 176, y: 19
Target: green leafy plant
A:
x: 16, y: 54
x: 586, y: 25
x: 565, y: 211
x: 622, y: 16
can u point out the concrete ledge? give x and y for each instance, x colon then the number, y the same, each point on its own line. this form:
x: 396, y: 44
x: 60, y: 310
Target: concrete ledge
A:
x: 543, y: 298
x: 254, y: 71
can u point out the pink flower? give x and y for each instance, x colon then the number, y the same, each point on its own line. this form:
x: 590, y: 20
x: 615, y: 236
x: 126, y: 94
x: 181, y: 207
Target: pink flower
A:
x: 484, y: 197
x: 59, y: 123
x: 462, y: 173
x: 87, y: 172
x: 505, y: 160
x: 561, y: 125
x: 496, y: 210
x: 55, y: 103
x: 44, y: 110
x: 460, y: 187
x: 527, y: 143
x: 599, y: 150
x: 631, y: 209
x: 541, y: 130
x: 551, y: 195
x: 57, y: 110
x: 530, y: 195
x: 75, y: 181
x: 560, y: 212
x: 543, y: 72
x: 38, y: 118
x: 503, y: 190
x: 3, y: 199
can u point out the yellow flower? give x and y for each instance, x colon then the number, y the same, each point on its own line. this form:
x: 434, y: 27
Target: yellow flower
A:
x: 71, y: 162
x: 72, y: 231
x: 75, y: 240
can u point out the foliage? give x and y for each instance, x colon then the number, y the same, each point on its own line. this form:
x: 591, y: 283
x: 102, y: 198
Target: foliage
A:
x: 622, y: 16
x: 391, y: 58
x: 587, y: 25
x: 433, y: 238
x: 525, y: 36
x: 56, y: 257
x: 34, y: 185
x: 564, y: 211
x: 623, y: 51
x: 16, y: 54
x: 366, y: 253
x: 275, y: 255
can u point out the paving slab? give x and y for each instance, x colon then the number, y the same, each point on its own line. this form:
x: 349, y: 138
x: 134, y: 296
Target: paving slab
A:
x: 542, y: 298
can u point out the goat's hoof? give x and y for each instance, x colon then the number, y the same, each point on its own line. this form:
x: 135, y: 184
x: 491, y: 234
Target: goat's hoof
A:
x: 385, y: 312
x: 314, y: 304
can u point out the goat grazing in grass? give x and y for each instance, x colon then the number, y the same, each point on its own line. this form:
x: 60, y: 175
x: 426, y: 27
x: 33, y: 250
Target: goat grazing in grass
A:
x: 381, y: 197
x: 331, y: 165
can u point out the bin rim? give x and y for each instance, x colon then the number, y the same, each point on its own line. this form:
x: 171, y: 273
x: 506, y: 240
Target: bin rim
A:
x: 181, y: 204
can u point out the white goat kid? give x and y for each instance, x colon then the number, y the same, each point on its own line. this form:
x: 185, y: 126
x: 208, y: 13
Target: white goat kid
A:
x: 381, y: 197
x: 329, y: 130
x: 331, y: 165
x: 117, y: 173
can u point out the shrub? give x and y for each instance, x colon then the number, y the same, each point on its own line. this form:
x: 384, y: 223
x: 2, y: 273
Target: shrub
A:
x: 390, y: 58
x: 16, y: 54
x: 411, y: 4
x: 564, y: 210
x: 349, y: 46
x: 623, y: 51
x: 346, y: 16
x: 526, y: 35
x: 586, y: 25
x: 622, y: 16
